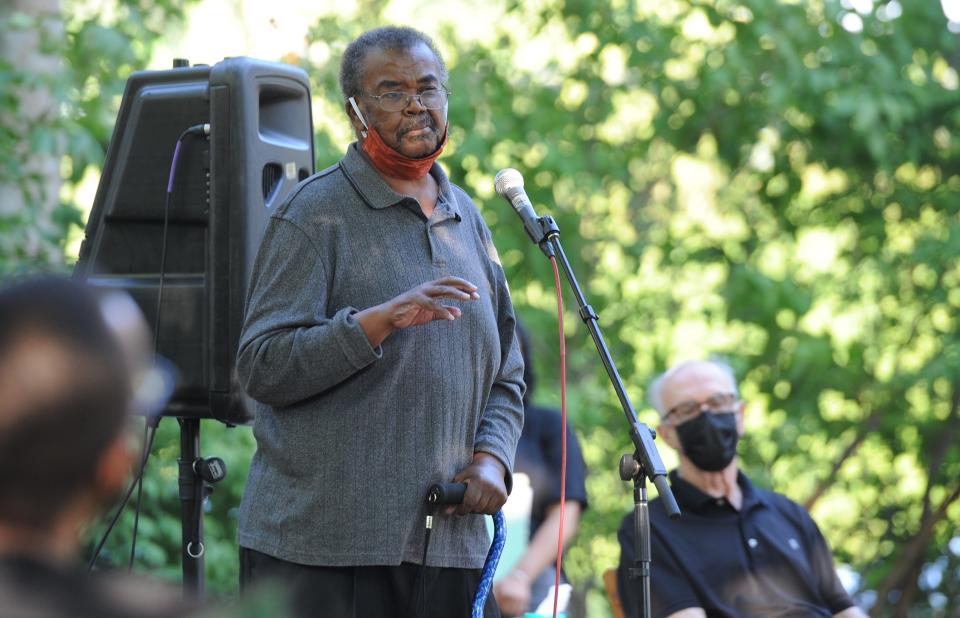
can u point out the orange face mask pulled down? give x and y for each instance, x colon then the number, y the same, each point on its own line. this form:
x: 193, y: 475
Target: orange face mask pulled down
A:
x: 390, y: 162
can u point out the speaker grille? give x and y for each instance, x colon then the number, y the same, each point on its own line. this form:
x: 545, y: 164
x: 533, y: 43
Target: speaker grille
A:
x: 272, y: 174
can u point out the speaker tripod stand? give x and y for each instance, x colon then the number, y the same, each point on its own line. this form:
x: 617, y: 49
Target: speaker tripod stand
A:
x: 197, y: 478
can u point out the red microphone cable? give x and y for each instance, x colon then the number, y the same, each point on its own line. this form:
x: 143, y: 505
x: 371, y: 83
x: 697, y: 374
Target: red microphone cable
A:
x: 563, y: 433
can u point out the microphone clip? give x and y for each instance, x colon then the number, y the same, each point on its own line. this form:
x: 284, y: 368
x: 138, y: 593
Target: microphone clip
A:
x: 550, y: 231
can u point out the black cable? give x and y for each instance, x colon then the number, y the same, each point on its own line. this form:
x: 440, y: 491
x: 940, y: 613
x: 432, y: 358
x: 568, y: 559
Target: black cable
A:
x: 136, y: 515
x: 420, y: 585
x: 150, y: 428
x: 197, y: 129
x: 123, y: 503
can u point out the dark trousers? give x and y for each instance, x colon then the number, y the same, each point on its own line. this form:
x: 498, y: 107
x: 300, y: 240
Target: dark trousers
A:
x: 368, y: 591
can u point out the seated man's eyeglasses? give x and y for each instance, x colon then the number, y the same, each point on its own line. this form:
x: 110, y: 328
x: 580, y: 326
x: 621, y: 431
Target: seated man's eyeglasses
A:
x: 432, y: 98
x: 687, y: 410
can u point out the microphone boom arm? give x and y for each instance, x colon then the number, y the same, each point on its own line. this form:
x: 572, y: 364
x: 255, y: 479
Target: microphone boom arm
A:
x: 641, y: 435
x: 645, y: 461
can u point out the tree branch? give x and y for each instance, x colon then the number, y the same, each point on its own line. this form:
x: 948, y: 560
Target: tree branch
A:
x: 913, y: 554
x: 870, y: 426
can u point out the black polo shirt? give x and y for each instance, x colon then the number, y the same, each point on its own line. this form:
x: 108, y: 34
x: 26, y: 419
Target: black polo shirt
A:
x: 539, y: 457
x: 768, y: 559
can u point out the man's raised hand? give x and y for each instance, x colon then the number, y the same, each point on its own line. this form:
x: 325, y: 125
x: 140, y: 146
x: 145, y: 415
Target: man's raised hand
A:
x: 415, y: 307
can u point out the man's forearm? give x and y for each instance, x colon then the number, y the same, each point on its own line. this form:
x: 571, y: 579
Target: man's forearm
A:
x: 280, y: 366
x: 542, y: 550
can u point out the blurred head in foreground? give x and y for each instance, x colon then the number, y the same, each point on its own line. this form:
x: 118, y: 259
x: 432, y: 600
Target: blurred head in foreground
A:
x: 70, y: 358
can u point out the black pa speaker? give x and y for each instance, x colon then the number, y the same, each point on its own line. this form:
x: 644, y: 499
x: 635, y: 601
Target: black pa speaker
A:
x: 260, y: 145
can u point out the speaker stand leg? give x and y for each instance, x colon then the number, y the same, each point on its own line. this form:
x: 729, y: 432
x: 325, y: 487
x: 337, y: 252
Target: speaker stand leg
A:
x: 191, y: 508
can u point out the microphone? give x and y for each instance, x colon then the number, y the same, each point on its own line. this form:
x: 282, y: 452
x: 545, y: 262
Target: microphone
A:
x: 509, y: 185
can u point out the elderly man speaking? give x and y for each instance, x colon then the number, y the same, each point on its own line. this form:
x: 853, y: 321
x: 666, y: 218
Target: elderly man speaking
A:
x: 379, y: 342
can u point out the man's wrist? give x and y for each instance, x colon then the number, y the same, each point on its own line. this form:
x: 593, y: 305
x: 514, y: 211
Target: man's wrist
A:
x: 375, y: 324
x: 519, y: 574
x: 483, y: 457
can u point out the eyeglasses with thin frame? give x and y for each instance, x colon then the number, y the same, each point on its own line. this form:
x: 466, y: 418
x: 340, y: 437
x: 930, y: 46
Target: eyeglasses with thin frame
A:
x: 688, y: 410
x: 431, y: 98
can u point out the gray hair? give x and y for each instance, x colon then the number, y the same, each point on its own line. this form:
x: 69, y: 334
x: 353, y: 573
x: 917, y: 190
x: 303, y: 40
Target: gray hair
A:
x: 385, y: 38
x: 656, y: 387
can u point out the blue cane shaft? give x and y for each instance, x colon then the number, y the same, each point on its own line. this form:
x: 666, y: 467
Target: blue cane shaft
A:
x: 490, y: 565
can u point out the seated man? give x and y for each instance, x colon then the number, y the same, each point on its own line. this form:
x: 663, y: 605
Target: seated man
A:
x: 68, y: 360
x: 736, y: 550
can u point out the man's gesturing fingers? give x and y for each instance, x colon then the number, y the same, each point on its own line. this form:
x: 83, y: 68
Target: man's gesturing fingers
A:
x: 422, y: 304
x: 452, y: 287
x: 416, y: 306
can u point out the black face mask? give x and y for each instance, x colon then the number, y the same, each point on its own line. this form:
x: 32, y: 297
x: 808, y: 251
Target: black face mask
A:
x: 710, y: 440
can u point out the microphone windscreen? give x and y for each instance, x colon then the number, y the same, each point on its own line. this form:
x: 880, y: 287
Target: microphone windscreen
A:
x: 506, y: 180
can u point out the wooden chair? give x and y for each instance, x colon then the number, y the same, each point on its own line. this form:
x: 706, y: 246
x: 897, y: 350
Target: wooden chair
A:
x: 610, y: 584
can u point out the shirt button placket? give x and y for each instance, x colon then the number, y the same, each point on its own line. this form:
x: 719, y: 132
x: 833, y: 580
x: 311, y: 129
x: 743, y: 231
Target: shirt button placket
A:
x: 436, y: 251
x: 750, y: 541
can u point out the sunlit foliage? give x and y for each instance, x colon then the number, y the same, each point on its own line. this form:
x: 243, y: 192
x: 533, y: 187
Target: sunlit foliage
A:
x: 775, y: 182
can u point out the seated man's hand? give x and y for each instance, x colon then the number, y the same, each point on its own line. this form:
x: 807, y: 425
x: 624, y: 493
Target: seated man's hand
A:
x: 513, y: 593
x: 486, y: 485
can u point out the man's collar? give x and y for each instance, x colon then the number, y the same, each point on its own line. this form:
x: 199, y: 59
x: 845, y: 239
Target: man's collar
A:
x: 373, y: 188
x: 690, y: 497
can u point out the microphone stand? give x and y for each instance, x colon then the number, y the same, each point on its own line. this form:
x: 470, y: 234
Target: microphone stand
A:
x: 645, y: 461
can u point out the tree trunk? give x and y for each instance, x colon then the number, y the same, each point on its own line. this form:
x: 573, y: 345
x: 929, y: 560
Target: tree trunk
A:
x: 30, y: 43
x: 908, y: 565
x: 908, y: 592
x: 913, y: 554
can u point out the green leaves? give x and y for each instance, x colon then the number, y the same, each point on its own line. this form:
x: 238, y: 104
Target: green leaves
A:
x: 743, y: 178
x: 762, y: 198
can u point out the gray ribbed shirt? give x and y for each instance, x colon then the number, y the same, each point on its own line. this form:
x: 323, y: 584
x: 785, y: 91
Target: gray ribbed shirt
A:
x: 350, y: 437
